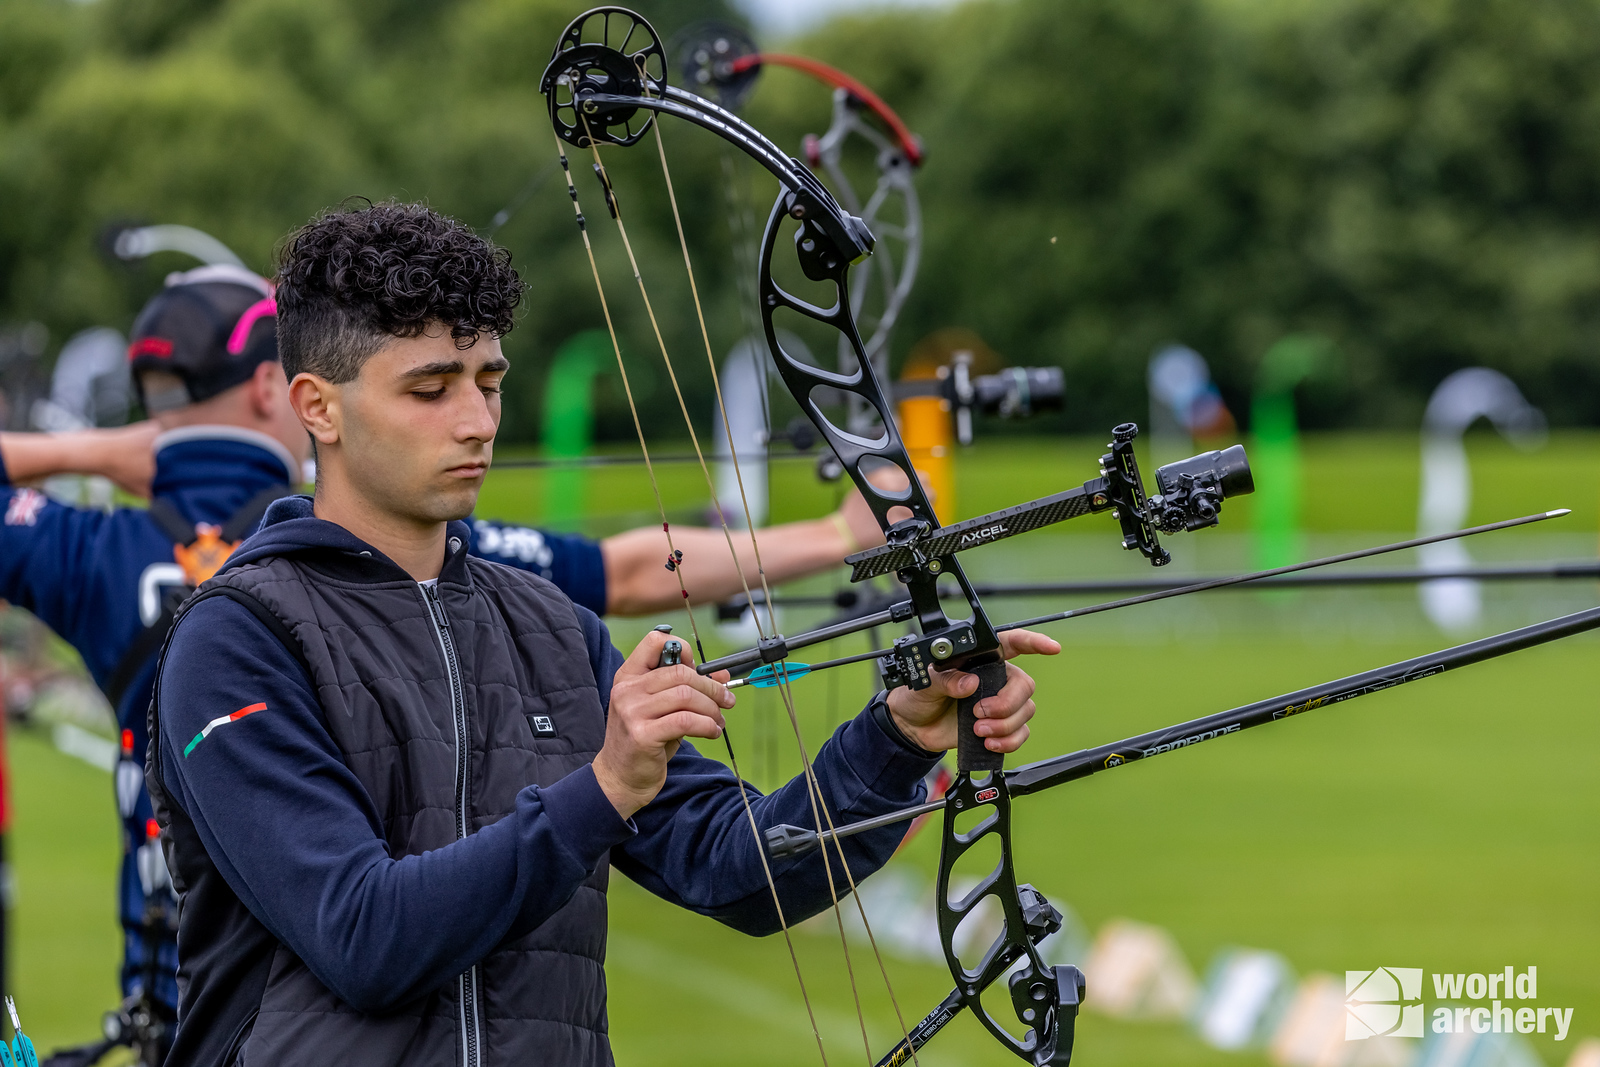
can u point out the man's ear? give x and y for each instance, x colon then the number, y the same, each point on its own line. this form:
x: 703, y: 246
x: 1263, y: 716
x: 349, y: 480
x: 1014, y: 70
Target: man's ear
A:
x: 316, y: 403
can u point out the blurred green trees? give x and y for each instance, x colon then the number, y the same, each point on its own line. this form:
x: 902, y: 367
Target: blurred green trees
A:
x: 1418, y: 180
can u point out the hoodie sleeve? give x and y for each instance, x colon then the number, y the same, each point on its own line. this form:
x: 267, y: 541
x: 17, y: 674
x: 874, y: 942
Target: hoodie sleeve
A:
x: 695, y: 846
x: 298, y: 839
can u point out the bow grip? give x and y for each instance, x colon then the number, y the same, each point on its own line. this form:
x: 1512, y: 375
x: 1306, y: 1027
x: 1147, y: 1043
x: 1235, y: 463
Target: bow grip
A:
x: 971, y: 755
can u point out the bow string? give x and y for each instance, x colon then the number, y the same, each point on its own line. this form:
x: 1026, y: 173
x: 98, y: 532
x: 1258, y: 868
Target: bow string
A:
x: 581, y: 132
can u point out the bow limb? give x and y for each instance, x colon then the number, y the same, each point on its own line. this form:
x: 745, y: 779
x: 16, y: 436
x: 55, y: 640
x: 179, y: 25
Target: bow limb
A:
x: 897, y: 161
x: 723, y: 62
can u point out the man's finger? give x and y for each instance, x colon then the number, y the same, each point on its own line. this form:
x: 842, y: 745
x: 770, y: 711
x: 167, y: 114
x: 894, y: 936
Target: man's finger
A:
x: 646, y: 655
x: 665, y: 678
x: 1027, y: 643
x: 680, y: 724
x: 647, y: 707
x: 1009, y: 743
x: 953, y: 683
x: 1001, y: 727
x: 1018, y: 690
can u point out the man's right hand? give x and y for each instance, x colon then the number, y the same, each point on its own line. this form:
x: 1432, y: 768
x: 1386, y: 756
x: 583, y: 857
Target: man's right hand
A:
x: 653, y: 708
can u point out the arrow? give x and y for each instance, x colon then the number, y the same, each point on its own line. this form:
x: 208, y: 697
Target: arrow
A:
x: 784, y: 671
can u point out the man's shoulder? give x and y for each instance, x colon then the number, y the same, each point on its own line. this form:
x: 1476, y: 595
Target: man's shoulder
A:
x: 547, y: 595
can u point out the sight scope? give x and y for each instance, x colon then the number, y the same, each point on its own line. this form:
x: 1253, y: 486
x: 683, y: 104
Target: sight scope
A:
x: 1190, y: 492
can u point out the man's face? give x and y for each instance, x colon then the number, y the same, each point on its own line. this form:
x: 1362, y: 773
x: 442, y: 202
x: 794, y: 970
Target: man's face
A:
x: 417, y: 425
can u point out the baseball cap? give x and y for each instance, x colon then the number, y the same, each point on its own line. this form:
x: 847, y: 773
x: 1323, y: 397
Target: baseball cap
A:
x: 210, y: 328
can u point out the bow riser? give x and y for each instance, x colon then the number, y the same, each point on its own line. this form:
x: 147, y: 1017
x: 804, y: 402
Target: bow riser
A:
x: 860, y: 454
x: 1044, y: 999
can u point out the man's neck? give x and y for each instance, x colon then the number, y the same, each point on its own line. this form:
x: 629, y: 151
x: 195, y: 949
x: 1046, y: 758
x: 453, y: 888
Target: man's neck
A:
x: 418, y: 548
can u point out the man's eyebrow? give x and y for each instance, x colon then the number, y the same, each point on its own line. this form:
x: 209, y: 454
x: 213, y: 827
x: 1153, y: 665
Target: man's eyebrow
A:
x: 432, y: 370
x: 495, y: 365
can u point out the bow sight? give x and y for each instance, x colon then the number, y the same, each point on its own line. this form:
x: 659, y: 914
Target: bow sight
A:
x: 918, y: 551
x: 1192, y: 492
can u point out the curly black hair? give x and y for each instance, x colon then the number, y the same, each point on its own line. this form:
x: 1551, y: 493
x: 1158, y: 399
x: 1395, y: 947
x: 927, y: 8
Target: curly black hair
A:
x: 360, y: 275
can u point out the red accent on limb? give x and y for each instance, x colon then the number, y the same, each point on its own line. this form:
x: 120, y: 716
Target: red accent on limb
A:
x: 840, y: 80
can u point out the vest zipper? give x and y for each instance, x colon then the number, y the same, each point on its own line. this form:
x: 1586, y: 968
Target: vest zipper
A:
x: 467, y: 982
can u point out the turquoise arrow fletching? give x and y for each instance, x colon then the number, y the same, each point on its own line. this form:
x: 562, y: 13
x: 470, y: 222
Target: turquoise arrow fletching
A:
x: 775, y: 674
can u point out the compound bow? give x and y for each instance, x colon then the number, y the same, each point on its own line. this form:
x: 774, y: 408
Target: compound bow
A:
x: 605, y: 85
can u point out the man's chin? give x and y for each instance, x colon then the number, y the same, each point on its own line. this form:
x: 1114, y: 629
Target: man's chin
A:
x: 449, y: 505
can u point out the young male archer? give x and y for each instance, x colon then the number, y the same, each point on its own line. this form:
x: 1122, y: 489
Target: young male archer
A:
x: 223, y: 442
x: 392, y: 778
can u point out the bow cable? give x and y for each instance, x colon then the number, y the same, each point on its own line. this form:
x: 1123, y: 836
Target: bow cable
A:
x: 812, y: 788
x: 814, y: 791
x: 755, y: 547
x: 605, y: 307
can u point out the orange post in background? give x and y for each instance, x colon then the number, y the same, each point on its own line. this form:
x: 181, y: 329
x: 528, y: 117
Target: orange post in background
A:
x: 926, y: 423
x: 925, y: 426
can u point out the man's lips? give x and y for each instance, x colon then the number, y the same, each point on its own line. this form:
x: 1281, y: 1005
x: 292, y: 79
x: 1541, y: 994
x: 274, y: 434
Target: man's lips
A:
x: 473, y: 469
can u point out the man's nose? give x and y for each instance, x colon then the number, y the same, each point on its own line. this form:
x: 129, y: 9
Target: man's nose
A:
x: 477, y: 422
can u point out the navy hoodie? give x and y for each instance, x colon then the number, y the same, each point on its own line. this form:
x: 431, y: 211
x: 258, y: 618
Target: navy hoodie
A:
x: 299, y: 842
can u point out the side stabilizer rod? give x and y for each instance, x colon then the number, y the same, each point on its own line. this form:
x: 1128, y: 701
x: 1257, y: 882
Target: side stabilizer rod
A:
x: 785, y: 841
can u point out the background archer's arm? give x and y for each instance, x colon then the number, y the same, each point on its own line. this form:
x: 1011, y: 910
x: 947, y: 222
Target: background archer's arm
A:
x: 638, y: 582
x: 123, y: 454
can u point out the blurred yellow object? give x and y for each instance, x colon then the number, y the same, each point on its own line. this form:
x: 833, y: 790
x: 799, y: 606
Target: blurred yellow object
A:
x: 1587, y: 1054
x: 926, y: 423
x: 925, y: 427
x: 1137, y: 971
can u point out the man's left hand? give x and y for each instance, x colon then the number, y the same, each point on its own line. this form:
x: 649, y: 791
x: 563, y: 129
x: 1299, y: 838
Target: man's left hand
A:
x: 928, y: 716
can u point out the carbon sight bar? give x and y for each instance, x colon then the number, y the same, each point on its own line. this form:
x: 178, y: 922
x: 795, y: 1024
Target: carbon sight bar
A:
x: 983, y: 530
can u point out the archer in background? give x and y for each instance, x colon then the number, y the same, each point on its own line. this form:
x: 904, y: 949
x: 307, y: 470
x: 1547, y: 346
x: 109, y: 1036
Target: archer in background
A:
x: 222, y: 445
x: 392, y: 777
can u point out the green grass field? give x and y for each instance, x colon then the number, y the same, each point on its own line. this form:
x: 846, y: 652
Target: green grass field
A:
x: 1452, y: 825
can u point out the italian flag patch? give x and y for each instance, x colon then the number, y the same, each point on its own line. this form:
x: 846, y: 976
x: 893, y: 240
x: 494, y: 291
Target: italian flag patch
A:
x: 221, y: 720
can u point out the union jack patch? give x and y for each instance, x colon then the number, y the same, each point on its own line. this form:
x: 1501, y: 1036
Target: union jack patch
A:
x: 24, y: 508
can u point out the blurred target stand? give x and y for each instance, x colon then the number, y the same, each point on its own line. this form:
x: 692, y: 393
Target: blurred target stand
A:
x: 1248, y: 1000
x: 950, y: 377
x: 566, y: 425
